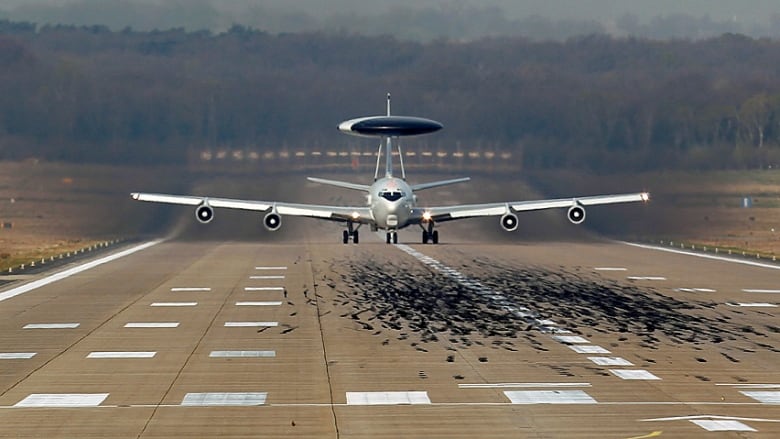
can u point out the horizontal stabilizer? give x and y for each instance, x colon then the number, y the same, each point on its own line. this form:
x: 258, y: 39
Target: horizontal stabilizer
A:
x: 344, y: 184
x: 421, y: 186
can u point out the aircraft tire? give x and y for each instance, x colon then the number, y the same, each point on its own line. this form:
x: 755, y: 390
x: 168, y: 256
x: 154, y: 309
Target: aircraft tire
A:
x: 345, y: 237
x: 388, y: 238
x: 355, y: 238
x: 425, y: 237
x: 395, y: 238
x: 435, y: 237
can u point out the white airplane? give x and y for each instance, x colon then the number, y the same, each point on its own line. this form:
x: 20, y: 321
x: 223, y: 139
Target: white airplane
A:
x: 392, y: 204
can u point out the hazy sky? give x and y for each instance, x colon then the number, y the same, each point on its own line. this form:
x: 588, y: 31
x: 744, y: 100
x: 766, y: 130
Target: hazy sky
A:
x: 305, y: 14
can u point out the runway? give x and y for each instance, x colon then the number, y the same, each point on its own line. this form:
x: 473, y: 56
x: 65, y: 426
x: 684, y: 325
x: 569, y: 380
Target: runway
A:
x: 307, y: 337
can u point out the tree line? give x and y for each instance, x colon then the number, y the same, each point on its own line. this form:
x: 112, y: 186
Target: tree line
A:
x: 90, y: 94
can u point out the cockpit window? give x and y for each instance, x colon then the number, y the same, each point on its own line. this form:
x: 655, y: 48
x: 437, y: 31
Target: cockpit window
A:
x: 391, y: 195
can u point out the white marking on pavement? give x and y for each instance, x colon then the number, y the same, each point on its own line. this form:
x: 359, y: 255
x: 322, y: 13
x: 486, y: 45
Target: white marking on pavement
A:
x: 610, y: 361
x: 258, y: 303
x: 242, y: 354
x: 387, y: 398
x: 72, y: 271
x: 549, y: 397
x: 646, y: 278
x: 190, y: 289
x: 266, y: 277
x: 633, y: 374
x: 695, y: 290
x: 590, y: 349
x: 164, y: 304
x: 753, y: 304
x: 250, y: 324
x: 716, y: 425
x: 263, y: 288
x: 63, y: 400
x: 51, y: 326
x: 573, y: 339
x: 759, y: 291
x: 121, y: 354
x: 751, y: 386
x: 765, y: 397
x: 610, y: 269
x: 153, y: 325
x: 702, y: 255
x: 17, y: 355
x: 225, y: 399
x: 270, y: 268
x: 521, y: 385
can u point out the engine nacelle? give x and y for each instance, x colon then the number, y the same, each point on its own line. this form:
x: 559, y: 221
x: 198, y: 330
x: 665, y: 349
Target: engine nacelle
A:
x: 576, y: 214
x: 272, y: 221
x: 204, y: 213
x: 509, y: 222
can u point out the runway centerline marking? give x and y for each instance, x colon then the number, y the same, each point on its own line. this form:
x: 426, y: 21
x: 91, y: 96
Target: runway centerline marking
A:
x: 387, y: 398
x: 521, y: 385
x: 215, y: 399
x: 266, y: 277
x: 152, y: 325
x: 242, y: 354
x: 173, y: 304
x: 549, y: 397
x: 17, y: 355
x: 250, y: 324
x: 610, y: 269
x: 760, y: 291
x: 72, y: 271
x: 190, y: 289
x: 278, y: 303
x: 263, y: 288
x: 52, y: 326
x: 270, y: 268
x: 121, y: 354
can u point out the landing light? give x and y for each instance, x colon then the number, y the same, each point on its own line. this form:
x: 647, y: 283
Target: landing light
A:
x: 426, y: 216
x: 645, y: 196
x: 355, y: 215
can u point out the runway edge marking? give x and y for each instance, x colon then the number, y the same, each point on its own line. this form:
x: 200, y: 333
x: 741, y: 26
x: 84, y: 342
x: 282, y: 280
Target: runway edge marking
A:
x: 701, y: 255
x: 73, y: 271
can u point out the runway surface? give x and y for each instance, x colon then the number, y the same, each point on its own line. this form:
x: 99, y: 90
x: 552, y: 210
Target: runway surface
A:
x: 299, y: 335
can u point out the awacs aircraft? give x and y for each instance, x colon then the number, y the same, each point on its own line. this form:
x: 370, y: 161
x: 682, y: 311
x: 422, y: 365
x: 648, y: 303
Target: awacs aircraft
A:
x: 392, y: 203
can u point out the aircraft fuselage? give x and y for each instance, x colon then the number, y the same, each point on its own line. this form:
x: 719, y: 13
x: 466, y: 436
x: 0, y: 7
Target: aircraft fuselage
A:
x: 391, y: 202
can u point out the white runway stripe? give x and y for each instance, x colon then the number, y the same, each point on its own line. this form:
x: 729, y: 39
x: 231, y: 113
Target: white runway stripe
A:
x: 646, y: 278
x: 152, y: 325
x: 753, y: 305
x: 633, y: 374
x: 258, y: 303
x: 242, y: 354
x: 521, y: 385
x: 51, y: 326
x: 250, y: 324
x: 590, y: 349
x: 224, y: 399
x: 270, y: 268
x: 121, y: 354
x: 63, y: 400
x: 72, y: 271
x: 549, y: 397
x: 387, y: 398
x: 263, y: 288
x: 192, y: 289
x: 17, y: 355
x: 266, y: 277
x: 705, y: 256
x: 759, y: 291
x: 164, y: 304
x: 610, y: 269
x: 610, y: 361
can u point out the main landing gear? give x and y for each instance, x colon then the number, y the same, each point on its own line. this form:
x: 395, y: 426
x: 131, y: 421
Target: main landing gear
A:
x: 428, y: 234
x: 392, y: 236
x: 351, y: 232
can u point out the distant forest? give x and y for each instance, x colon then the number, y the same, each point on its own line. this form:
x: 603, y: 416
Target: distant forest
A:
x: 89, y: 94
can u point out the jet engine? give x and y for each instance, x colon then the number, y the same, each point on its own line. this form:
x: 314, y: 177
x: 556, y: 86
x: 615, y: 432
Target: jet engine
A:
x: 509, y: 222
x: 272, y: 221
x: 204, y: 213
x: 576, y: 214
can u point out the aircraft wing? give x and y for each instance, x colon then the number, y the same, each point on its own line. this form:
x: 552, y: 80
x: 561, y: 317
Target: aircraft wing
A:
x: 333, y: 213
x: 449, y: 213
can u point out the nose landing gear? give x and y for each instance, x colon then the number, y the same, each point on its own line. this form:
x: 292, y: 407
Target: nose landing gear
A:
x: 392, y: 236
x: 351, y: 233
